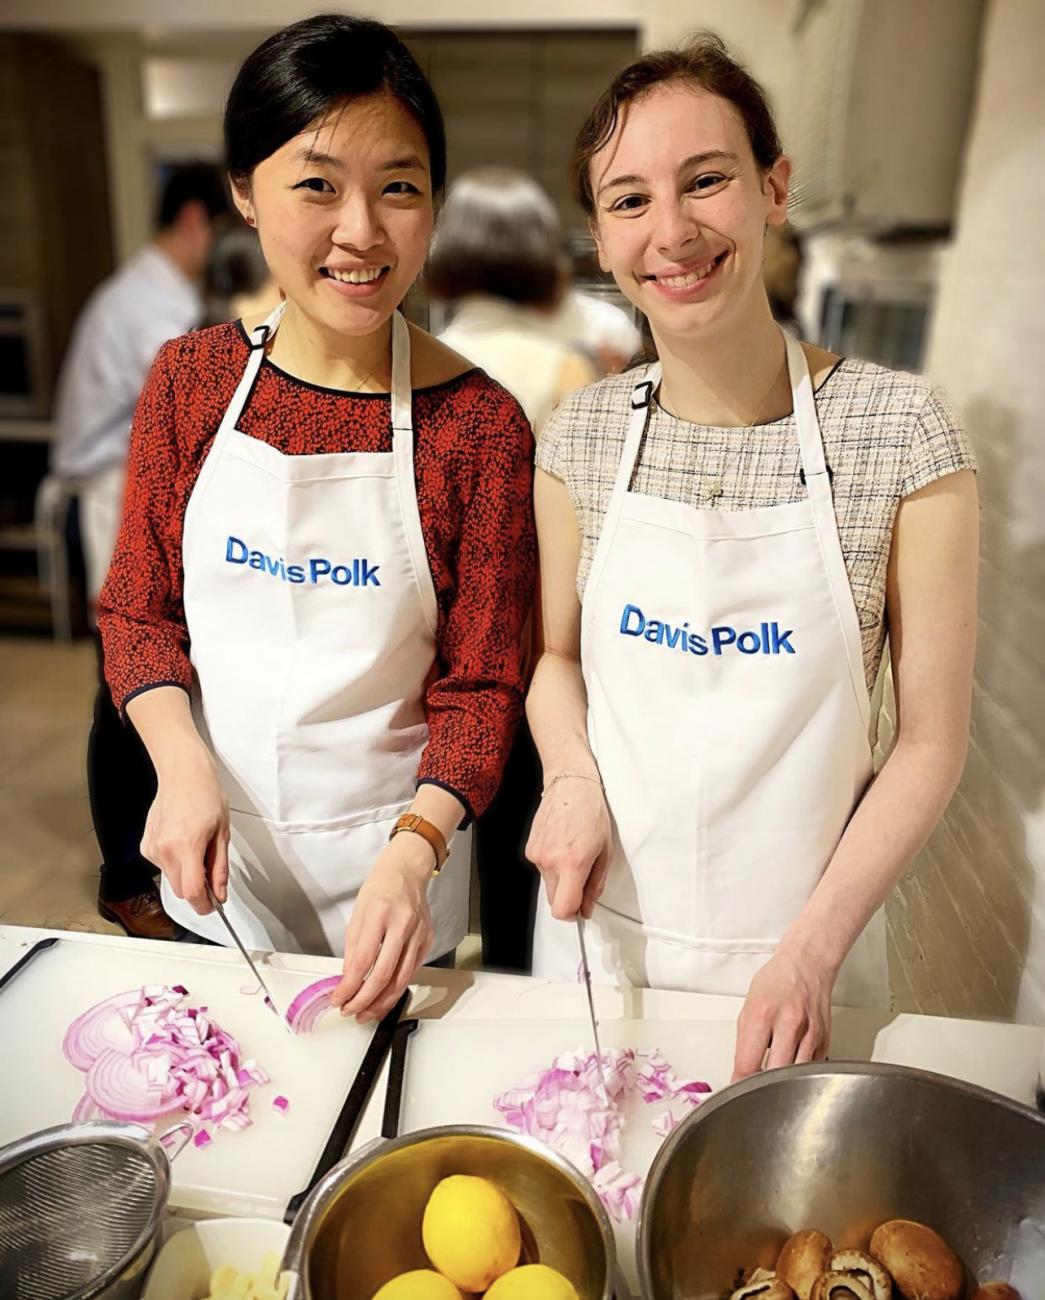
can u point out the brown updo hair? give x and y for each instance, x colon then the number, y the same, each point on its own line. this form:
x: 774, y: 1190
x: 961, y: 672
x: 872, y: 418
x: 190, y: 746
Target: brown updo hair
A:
x: 704, y: 62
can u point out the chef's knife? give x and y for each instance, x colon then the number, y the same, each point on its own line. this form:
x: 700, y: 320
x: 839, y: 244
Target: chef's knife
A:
x: 586, y: 969
x: 270, y: 1002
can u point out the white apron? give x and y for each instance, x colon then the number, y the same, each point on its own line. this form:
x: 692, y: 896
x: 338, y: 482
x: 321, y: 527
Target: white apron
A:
x: 311, y: 616
x: 729, y: 715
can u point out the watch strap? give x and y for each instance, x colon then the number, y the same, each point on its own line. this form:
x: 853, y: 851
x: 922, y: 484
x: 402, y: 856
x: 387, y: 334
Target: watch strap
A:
x: 418, y: 825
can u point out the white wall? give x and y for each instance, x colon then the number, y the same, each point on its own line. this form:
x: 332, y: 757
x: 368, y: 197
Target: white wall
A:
x: 164, y: 16
x: 758, y: 32
x: 968, y: 925
x: 117, y: 33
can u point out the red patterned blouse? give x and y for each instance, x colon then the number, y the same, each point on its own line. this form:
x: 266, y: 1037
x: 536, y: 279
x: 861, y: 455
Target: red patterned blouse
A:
x: 474, y: 471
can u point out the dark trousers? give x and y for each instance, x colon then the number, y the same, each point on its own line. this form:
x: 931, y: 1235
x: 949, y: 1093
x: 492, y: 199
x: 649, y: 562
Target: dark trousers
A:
x: 508, y: 883
x: 122, y: 785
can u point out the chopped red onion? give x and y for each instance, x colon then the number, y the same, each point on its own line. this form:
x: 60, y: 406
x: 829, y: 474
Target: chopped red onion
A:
x: 147, y: 1055
x: 281, y: 1104
x: 578, y: 1109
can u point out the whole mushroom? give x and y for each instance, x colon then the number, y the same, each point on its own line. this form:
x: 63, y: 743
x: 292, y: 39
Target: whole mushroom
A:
x: 922, y: 1265
x: 802, y: 1259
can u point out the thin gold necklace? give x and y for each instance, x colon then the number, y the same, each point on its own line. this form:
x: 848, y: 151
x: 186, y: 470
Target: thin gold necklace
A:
x: 358, y: 386
x: 716, y: 485
x: 768, y: 393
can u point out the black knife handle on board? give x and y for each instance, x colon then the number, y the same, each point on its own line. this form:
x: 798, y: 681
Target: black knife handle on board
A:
x: 396, y: 1077
x: 351, y: 1112
x: 26, y: 958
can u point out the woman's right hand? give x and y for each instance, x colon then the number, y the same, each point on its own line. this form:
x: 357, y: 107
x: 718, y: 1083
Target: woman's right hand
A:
x: 570, y: 844
x: 187, y: 830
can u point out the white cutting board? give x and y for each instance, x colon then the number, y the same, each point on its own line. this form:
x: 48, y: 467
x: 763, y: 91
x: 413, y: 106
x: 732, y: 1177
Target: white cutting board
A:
x: 252, y: 1173
x: 456, y: 1068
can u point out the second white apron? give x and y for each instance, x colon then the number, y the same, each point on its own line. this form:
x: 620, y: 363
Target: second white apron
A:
x: 311, y: 616
x: 729, y: 715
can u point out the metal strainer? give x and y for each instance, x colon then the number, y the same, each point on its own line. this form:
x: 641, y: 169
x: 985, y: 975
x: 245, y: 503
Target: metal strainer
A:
x: 80, y: 1206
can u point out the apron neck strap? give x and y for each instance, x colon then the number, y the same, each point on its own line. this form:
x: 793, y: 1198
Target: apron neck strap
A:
x: 807, y: 422
x: 638, y: 418
x: 402, y: 396
x: 261, y: 334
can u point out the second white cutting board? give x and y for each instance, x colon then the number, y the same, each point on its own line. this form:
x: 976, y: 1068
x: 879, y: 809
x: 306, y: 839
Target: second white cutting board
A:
x: 255, y: 1172
x: 456, y: 1068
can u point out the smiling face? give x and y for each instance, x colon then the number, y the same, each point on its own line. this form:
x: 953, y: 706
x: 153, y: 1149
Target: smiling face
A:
x: 681, y: 209
x: 344, y: 213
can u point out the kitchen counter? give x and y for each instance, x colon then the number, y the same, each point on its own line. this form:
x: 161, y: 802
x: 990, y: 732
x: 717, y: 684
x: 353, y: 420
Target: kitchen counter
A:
x: 463, y: 1055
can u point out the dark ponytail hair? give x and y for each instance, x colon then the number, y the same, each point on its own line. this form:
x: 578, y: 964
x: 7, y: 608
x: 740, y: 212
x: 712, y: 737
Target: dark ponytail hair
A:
x: 303, y: 71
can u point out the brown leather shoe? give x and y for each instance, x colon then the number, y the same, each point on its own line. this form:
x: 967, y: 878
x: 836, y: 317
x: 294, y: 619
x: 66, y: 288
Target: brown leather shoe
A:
x: 142, y: 917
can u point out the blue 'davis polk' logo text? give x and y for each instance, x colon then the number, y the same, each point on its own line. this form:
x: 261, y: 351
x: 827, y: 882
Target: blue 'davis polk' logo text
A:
x: 315, y: 571
x: 768, y: 639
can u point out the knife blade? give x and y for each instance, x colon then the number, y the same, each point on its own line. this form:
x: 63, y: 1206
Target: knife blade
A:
x: 270, y: 1001
x: 586, y: 969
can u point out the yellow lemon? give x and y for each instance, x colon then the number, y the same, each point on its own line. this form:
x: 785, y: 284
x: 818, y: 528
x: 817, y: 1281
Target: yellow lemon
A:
x: 421, y: 1284
x: 471, y: 1231
x: 532, y: 1282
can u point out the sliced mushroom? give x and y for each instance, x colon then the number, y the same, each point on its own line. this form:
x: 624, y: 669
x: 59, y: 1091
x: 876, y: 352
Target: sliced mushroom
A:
x: 803, y: 1257
x: 770, y: 1287
x: 867, y: 1269
x: 840, y: 1286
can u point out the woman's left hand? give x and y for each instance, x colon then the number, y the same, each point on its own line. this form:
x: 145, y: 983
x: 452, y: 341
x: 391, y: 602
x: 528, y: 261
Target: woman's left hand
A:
x: 787, y: 1012
x: 389, y: 932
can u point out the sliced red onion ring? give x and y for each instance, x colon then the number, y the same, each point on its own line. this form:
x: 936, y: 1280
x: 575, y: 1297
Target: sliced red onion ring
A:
x: 310, y: 1004
x: 117, y: 1084
x: 104, y: 1026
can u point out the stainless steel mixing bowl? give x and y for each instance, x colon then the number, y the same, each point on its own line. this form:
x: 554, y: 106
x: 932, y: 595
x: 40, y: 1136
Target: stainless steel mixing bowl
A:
x: 841, y: 1148
x: 361, y: 1226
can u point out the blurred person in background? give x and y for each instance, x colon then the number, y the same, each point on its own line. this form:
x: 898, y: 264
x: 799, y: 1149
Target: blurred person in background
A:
x: 726, y: 536
x: 239, y: 283
x: 781, y: 269
x: 497, y: 261
x: 601, y: 330
x: 154, y: 297
x: 314, y: 613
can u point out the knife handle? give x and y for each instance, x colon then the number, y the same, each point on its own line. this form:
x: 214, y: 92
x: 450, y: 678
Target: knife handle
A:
x: 40, y: 946
x: 396, y: 1077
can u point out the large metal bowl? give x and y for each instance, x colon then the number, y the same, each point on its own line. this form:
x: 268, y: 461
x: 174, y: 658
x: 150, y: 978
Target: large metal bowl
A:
x: 841, y: 1148
x: 361, y: 1226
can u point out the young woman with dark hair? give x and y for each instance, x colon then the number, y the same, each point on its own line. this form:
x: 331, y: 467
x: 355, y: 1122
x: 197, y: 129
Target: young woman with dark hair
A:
x: 726, y: 536
x: 315, y: 612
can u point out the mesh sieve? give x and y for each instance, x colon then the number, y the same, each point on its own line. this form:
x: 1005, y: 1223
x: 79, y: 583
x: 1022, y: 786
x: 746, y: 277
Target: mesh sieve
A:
x: 75, y: 1213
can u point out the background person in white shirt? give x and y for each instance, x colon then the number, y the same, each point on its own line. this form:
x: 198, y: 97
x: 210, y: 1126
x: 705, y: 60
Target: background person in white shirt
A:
x: 497, y: 260
x: 153, y: 298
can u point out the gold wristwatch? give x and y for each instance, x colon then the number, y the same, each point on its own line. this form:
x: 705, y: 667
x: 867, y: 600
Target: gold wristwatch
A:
x: 419, y: 825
